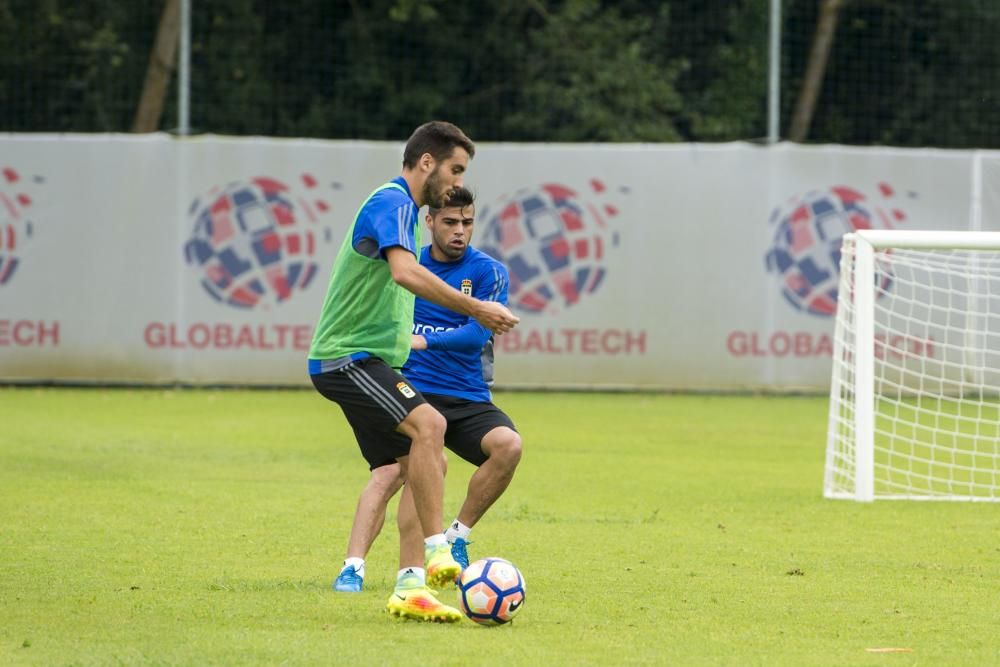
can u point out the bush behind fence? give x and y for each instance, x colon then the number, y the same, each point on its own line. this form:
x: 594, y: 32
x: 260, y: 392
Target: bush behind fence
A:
x: 905, y: 73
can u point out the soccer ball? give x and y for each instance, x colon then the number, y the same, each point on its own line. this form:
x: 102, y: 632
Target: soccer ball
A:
x: 491, y: 591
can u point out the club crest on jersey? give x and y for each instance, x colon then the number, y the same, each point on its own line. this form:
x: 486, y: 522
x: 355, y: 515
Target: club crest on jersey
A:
x: 466, y: 287
x: 405, y: 390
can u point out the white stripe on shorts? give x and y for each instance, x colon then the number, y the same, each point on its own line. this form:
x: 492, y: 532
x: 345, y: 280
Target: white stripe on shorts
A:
x: 376, y: 392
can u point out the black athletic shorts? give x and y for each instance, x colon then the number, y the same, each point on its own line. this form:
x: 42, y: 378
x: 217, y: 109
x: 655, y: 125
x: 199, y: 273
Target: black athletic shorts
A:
x: 468, y: 424
x: 375, y: 399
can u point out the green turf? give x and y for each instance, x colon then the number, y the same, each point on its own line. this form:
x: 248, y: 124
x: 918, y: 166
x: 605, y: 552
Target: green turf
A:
x: 204, y: 527
x: 937, y: 446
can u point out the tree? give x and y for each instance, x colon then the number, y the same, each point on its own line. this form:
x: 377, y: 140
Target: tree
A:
x: 161, y: 66
x: 722, y: 49
x: 589, y: 77
x: 902, y: 72
x: 71, y: 66
x: 819, y: 54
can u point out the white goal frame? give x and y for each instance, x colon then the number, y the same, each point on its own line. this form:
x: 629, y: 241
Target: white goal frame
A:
x: 854, y: 374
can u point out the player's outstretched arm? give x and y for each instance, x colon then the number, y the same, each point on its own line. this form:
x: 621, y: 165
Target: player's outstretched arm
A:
x: 469, y: 337
x: 408, y: 273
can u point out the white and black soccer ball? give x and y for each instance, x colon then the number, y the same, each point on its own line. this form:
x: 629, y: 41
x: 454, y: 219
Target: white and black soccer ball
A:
x: 491, y: 591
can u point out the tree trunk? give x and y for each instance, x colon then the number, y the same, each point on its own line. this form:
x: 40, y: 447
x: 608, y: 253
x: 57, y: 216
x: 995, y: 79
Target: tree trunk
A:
x: 162, y: 62
x: 805, y: 106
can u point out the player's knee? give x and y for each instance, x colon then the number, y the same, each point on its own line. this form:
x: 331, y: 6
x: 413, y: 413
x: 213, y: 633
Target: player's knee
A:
x: 388, y: 479
x: 429, y: 424
x: 506, y: 448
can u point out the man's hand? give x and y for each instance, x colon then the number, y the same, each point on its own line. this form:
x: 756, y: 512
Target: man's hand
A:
x: 495, y: 317
x: 418, y: 342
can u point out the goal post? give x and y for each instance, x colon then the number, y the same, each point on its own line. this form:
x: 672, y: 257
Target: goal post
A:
x: 915, y: 383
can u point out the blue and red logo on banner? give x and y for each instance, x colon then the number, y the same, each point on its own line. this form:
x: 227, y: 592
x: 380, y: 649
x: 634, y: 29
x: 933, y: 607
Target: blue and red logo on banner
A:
x: 805, y: 248
x: 254, y: 242
x: 554, y: 242
x: 16, y: 224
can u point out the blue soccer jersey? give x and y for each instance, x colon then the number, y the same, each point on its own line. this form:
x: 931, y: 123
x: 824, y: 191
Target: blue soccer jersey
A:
x: 365, y: 312
x: 387, y: 219
x: 458, y: 360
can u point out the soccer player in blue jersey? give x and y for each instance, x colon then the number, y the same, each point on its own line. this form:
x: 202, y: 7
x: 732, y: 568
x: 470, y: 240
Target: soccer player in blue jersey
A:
x: 364, y: 336
x: 452, y: 367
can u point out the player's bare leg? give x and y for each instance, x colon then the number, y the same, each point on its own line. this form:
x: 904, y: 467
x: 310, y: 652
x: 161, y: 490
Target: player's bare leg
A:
x: 411, y: 541
x: 425, y: 478
x: 424, y: 473
x: 384, y: 483
x: 503, y: 447
x: 411, y: 597
x: 487, y: 484
x: 369, y: 518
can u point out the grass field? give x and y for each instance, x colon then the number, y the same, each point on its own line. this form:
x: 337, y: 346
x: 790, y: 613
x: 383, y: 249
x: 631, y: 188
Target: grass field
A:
x: 204, y: 527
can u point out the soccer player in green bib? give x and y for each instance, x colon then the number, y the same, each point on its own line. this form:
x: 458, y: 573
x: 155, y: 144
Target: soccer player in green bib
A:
x: 363, y: 338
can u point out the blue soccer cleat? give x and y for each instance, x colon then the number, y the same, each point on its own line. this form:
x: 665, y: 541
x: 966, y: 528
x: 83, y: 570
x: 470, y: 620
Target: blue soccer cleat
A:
x: 349, y: 580
x: 459, y: 553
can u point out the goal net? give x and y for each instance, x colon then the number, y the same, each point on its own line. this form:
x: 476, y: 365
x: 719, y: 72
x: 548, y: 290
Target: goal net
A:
x: 915, y: 387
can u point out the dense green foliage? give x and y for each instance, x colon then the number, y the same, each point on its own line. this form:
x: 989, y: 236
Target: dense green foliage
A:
x: 903, y: 72
x: 204, y: 528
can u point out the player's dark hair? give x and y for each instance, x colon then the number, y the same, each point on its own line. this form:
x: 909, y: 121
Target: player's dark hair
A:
x: 439, y: 138
x: 460, y: 197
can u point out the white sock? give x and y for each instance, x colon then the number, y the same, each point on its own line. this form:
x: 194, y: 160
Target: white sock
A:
x: 457, y: 529
x: 435, y: 540
x: 358, y: 563
x: 410, y: 572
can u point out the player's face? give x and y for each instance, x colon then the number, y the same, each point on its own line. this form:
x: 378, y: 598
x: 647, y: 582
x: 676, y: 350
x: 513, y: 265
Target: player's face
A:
x: 446, y: 176
x: 451, y: 231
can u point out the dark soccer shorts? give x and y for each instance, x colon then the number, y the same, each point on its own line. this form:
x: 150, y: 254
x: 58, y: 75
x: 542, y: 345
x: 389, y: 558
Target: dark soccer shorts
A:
x: 375, y: 399
x: 468, y: 424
